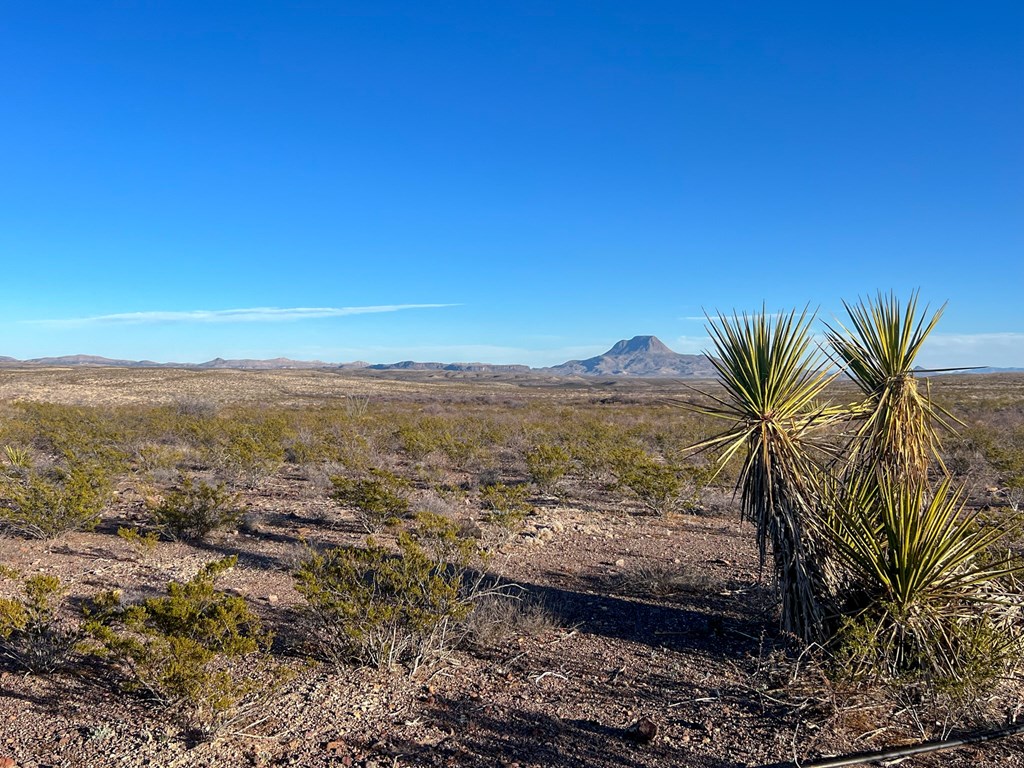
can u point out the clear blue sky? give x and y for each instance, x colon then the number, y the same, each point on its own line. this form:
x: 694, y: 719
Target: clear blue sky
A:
x: 563, y: 174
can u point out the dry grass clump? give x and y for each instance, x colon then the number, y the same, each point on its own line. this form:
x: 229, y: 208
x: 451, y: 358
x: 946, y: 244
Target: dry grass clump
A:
x: 647, y: 578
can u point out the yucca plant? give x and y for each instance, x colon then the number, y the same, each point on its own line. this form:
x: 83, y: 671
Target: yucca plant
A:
x: 899, y: 426
x: 773, y: 377
x: 926, y: 598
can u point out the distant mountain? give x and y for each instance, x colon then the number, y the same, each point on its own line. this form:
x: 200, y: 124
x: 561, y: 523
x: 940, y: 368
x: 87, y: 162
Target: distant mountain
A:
x: 94, y: 361
x: 277, y: 363
x: 91, y: 361
x: 411, y: 365
x: 640, y: 356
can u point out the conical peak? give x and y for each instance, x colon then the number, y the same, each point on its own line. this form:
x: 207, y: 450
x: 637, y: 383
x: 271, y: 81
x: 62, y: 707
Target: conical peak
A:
x: 639, y: 344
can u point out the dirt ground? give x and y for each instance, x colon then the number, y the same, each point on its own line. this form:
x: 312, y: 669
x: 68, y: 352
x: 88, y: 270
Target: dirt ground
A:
x: 704, y: 662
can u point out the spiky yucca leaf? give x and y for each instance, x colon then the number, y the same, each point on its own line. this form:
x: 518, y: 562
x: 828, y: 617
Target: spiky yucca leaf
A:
x: 772, y: 375
x: 899, y: 431
x: 927, y: 597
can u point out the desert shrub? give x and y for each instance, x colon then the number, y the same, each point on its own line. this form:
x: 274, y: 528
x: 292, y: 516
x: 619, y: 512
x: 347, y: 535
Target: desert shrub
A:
x: 659, y: 487
x: 647, y: 578
x: 309, y: 446
x: 506, y: 505
x: 77, y: 435
x: 194, y: 510
x: 251, y: 450
x: 419, y: 440
x: 1005, y: 453
x: 32, y: 635
x: 44, y: 504
x: 508, y: 615
x: 140, y: 542
x: 369, y: 605
x: 592, y: 445
x: 150, y: 457
x: 197, y: 650
x: 377, y: 500
x: 546, y: 464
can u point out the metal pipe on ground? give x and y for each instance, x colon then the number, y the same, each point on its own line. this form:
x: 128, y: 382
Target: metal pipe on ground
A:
x: 857, y: 758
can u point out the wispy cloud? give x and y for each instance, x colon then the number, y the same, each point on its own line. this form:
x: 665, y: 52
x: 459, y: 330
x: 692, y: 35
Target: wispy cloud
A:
x: 692, y: 345
x: 994, y: 349
x: 245, y: 315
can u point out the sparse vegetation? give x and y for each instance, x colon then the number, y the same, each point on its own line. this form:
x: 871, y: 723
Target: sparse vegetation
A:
x: 139, y: 541
x: 197, y: 650
x: 373, y: 606
x: 193, y: 510
x: 378, y: 500
x: 607, y: 587
x: 45, y: 503
x: 656, y: 485
x: 506, y: 505
x: 546, y: 464
x: 33, y: 637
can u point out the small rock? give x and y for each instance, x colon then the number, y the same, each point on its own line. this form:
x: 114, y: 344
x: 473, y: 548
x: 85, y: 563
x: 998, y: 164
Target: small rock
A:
x: 272, y: 598
x: 620, y: 563
x: 643, y: 731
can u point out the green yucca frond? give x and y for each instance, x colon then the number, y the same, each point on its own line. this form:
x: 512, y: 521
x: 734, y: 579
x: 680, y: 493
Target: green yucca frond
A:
x: 18, y: 457
x: 773, y: 378
x: 899, y: 429
x: 928, y: 596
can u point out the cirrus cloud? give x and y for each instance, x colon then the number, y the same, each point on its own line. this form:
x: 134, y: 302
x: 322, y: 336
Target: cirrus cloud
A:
x: 243, y: 315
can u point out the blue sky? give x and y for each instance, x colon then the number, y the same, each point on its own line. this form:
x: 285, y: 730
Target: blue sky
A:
x: 505, y: 182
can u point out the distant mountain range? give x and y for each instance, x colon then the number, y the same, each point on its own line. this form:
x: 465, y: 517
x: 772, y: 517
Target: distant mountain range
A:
x: 641, y: 356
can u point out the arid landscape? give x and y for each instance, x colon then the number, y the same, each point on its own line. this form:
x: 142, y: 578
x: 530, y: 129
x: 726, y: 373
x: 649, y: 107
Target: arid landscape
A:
x: 511, y: 385
x: 616, y: 617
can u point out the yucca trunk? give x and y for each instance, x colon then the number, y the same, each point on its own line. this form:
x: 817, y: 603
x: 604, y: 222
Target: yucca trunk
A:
x: 772, y: 377
x: 777, y: 498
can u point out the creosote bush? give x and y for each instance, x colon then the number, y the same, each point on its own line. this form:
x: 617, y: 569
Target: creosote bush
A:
x: 378, y: 500
x: 546, y: 464
x: 33, y: 637
x: 43, y: 504
x: 197, y: 650
x: 137, y: 540
x: 370, y: 605
x: 194, y: 510
x: 506, y: 505
x: 657, y: 486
